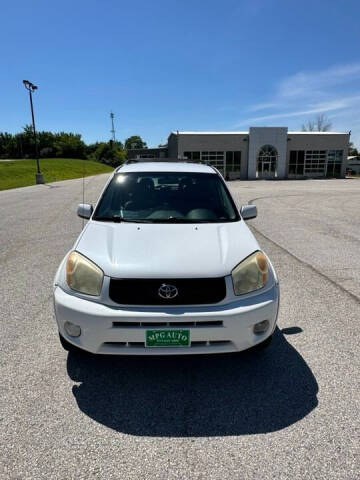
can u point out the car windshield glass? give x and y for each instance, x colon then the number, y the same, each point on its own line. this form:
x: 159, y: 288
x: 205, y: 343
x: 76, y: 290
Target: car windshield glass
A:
x: 166, y: 197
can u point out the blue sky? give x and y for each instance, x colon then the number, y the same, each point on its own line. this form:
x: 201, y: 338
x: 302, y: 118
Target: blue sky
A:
x: 186, y: 65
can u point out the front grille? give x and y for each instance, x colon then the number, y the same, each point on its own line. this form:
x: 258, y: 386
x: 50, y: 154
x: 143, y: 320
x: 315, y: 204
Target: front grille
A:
x: 191, y: 291
x: 196, y: 343
x: 205, y: 323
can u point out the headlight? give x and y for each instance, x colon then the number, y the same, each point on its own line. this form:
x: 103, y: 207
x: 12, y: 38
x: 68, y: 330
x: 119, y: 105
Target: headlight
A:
x: 251, y: 274
x: 83, y: 275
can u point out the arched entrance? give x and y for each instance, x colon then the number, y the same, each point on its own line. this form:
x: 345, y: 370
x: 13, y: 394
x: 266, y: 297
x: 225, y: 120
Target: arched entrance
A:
x: 266, y: 162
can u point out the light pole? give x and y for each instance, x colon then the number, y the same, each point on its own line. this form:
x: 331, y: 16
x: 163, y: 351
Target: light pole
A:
x: 31, y: 88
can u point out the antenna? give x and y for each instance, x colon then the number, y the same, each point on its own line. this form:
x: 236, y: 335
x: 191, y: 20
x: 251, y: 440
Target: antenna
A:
x: 112, y: 125
x: 83, y: 189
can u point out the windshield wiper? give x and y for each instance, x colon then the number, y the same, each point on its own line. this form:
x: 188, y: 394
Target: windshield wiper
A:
x: 103, y: 219
x: 192, y: 220
x: 177, y: 220
x: 119, y: 219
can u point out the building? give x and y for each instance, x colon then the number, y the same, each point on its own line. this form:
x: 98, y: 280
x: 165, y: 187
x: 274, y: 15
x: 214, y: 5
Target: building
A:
x: 265, y: 152
x: 158, y: 152
x: 353, y: 164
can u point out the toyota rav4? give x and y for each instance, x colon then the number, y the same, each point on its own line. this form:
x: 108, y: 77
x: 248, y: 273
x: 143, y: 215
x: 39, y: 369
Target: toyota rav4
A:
x: 165, y: 265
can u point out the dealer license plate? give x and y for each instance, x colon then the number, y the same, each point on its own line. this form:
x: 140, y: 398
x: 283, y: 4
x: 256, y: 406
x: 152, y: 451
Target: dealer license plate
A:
x: 167, y: 338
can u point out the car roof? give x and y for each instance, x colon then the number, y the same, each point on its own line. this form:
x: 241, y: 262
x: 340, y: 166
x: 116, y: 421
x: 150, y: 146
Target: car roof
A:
x: 165, y: 167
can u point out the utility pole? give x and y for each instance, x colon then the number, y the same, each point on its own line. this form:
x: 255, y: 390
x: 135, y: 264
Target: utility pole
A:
x: 31, y: 88
x: 112, y: 125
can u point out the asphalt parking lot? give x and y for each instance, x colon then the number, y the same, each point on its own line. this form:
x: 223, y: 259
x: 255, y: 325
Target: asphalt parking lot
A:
x: 290, y: 412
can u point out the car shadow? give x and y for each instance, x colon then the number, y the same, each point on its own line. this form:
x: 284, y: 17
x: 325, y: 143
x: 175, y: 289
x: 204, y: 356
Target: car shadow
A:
x: 248, y: 393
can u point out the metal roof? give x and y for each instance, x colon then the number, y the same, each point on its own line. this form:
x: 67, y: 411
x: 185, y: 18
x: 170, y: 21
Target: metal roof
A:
x: 209, y: 133
x: 247, y: 133
x: 318, y: 133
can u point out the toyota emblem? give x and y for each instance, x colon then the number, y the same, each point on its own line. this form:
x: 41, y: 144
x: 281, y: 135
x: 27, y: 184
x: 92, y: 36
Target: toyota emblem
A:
x: 167, y: 291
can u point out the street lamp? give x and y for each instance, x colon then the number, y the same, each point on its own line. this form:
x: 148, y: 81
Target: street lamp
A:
x: 31, y: 88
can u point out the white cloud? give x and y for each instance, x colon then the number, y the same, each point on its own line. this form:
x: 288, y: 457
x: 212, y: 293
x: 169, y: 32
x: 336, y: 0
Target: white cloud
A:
x: 314, y: 108
x: 300, y: 97
x: 296, y: 113
x: 262, y: 106
x: 304, y: 84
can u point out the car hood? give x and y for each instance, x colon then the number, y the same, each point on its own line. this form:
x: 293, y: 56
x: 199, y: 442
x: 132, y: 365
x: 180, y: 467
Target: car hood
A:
x: 133, y: 250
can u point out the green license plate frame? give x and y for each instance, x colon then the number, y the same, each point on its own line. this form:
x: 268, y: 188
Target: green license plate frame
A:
x: 167, y: 338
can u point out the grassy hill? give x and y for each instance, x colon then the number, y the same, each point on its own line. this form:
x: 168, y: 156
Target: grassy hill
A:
x: 21, y: 173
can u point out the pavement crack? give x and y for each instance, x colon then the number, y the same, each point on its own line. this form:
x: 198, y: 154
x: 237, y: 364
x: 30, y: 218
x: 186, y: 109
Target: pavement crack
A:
x: 300, y: 260
x: 303, y: 262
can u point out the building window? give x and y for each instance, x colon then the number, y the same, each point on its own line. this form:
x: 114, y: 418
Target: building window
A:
x: 192, y: 155
x: 233, y: 161
x: 216, y: 159
x: 296, y: 162
x: 266, y: 162
x: 225, y: 162
x: 315, y: 162
x: 212, y: 156
x: 334, y: 162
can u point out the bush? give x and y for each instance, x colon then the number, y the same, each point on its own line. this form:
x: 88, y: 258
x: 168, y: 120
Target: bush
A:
x: 64, y: 145
x: 69, y: 145
x: 109, y: 155
x: 46, y: 152
x: 22, y: 145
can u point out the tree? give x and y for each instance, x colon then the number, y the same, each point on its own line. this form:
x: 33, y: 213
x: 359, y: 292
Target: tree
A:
x: 25, y: 144
x: 62, y: 144
x: 7, y: 145
x: 109, y: 154
x: 46, y: 142
x: 134, y: 141
x: 353, y: 151
x: 91, y: 149
x: 69, y: 145
x: 320, y: 124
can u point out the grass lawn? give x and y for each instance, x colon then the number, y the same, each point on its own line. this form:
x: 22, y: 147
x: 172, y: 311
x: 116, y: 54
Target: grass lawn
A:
x: 21, y: 173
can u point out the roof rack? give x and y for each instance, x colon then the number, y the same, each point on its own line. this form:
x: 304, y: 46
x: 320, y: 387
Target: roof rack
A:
x: 170, y: 160
x: 165, y: 160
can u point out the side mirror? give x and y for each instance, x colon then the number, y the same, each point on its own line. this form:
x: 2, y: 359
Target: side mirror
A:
x: 84, y: 210
x: 248, y: 211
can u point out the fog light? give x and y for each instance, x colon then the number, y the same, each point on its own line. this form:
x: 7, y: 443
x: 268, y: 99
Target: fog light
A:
x: 261, y: 327
x: 72, y: 329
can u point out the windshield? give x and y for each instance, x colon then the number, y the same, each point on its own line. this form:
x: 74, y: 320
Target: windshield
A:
x: 166, y: 197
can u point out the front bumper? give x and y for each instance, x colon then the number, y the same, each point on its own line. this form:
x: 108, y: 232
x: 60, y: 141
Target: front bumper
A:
x: 216, y: 329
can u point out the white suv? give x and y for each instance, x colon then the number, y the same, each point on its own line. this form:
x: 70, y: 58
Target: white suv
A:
x: 165, y: 265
